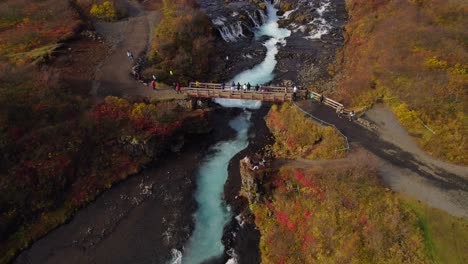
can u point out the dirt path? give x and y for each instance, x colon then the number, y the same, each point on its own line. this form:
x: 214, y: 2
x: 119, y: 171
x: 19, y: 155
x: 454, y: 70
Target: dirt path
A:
x: 403, y: 166
x: 113, y: 76
x: 390, y: 130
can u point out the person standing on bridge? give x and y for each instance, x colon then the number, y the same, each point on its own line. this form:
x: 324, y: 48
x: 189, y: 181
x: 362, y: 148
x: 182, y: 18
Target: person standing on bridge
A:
x: 233, y: 86
x: 321, y: 98
x: 249, y: 86
x: 238, y: 86
x: 153, y: 84
x: 294, y: 93
x: 178, y: 87
x: 244, y: 87
x: 197, y: 84
x: 223, y: 85
x: 257, y: 87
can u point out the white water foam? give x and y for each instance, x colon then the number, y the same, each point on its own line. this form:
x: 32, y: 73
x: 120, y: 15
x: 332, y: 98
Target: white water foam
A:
x: 288, y: 13
x: 176, y: 257
x: 322, y: 27
x: 233, y: 255
x: 235, y: 103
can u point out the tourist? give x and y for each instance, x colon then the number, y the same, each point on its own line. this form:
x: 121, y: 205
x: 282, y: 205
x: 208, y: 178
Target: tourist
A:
x: 197, y: 84
x: 294, y: 93
x: 129, y: 55
x: 178, y: 87
x: 153, y: 85
x: 248, y: 86
x: 321, y: 98
x: 351, y: 115
x: 312, y: 97
x: 223, y: 85
x: 233, y: 86
x: 238, y: 86
x: 257, y: 87
x: 244, y: 87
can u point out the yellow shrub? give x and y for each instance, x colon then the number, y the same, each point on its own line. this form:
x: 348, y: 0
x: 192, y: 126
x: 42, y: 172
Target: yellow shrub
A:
x: 433, y: 62
x: 105, y: 11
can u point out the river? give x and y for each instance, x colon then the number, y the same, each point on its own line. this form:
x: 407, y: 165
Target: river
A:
x: 213, y: 213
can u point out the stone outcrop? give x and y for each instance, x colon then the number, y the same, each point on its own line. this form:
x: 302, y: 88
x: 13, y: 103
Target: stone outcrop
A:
x: 251, y: 181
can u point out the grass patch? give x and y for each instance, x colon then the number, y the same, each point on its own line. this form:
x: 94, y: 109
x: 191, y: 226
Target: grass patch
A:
x: 296, y: 136
x: 445, y: 236
x: 36, y: 55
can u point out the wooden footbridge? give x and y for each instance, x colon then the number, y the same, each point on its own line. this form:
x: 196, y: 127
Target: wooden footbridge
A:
x: 264, y: 93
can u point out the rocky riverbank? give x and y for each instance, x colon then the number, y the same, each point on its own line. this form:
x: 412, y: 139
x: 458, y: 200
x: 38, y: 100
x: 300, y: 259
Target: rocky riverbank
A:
x: 317, y: 34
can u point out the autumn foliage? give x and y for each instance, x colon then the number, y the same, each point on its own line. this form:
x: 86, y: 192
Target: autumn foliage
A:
x: 183, y: 43
x: 30, y: 30
x: 298, y: 136
x: 411, y: 54
x: 58, y: 151
x: 327, y: 215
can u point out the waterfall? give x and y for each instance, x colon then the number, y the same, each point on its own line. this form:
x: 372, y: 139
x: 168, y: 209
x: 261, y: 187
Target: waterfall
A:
x: 262, y: 16
x: 232, y: 32
x: 258, y: 18
x: 254, y: 19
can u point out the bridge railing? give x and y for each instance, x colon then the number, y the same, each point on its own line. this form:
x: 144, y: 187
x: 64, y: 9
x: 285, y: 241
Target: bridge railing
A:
x: 262, y: 88
x: 332, y: 103
x: 235, y: 94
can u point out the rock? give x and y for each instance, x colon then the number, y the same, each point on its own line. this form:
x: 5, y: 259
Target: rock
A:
x: 250, y: 180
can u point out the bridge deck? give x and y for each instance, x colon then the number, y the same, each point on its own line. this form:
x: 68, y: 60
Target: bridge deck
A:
x: 266, y: 93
